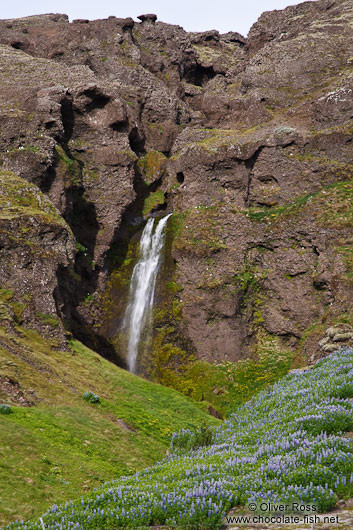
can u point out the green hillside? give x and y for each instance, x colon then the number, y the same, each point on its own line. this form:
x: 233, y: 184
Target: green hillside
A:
x: 63, y: 445
x: 291, y: 445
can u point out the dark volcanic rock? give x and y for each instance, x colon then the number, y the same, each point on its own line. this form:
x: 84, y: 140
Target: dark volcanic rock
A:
x: 248, y: 140
x: 151, y: 18
x: 35, y: 242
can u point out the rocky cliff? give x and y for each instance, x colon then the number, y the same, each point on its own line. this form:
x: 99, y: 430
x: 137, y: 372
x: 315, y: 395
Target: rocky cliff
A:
x: 248, y: 141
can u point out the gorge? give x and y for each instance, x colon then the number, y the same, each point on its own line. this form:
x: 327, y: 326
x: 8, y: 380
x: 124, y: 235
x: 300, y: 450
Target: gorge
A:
x: 108, y: 126
x: 248, y: 141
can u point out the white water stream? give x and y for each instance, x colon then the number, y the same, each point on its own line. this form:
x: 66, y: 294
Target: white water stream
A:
x: 142, y: 286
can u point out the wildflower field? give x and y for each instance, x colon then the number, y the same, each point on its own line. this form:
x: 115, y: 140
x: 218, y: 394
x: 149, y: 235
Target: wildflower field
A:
x: 287, y: 444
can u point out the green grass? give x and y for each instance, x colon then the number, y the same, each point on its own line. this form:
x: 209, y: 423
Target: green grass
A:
x: 64, y: 446
x: 258, y: 214
x: 227, y: 385
x: 21, y: 200
x: 154, y: 199
x: 335, y: 206
x: 290, y: 445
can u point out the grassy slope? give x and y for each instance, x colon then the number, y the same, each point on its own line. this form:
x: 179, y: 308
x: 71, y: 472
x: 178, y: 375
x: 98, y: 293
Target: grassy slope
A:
x: 292, y: 443
x: 64, y: 446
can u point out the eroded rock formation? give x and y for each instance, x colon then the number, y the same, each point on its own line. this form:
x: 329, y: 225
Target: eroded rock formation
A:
x: 248, y: 141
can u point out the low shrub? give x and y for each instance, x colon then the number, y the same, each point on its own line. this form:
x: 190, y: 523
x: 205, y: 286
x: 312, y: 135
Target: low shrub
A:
x: 329, y: 419
x: 91, y: 397
x: 344, y: 391
x: 5, y: 409
x: 189, y: 440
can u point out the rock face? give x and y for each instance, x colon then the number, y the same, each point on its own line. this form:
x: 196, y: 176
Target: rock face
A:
x: 249, y: 141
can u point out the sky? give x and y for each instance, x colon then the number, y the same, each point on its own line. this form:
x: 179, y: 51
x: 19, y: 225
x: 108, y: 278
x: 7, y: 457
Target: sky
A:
x: 192, y: 15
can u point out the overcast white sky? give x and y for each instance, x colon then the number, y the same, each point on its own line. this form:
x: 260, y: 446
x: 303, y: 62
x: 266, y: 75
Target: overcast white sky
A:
x: 193, y: 15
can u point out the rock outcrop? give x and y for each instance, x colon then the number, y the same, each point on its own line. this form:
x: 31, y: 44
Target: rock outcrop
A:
x: 249, y: 141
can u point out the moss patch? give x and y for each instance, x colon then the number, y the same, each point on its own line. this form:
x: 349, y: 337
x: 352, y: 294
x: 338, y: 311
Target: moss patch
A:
x: 48, y: 319
x: 19, y: 199
x: 224, y: 385
x: 334, y: 205
x: 152, y: 166
x: 154, y: 199
x: 70, y: 166
x: 113, y: 301
x: 200, y: 231
x: 265, y: 214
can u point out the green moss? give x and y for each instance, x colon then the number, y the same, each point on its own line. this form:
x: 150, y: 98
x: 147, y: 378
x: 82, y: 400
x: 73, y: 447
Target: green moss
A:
x: 122, y: 258
x: 339, y: 169
x: 152, y: 166
x: 314, y: 330
x: 257, y: 317
x: 154, y: 199
x: 169, y: 348
x: 215, y: 140
x: 126, y: 156
x: 22, y: 200
x: 31, y: 148
x: 250, y: 281
x: 80, y: 247
x: 200, y: 231
x: 343, y: 318
x: 176, y: 223
x: 247, y: 278
x: 218, y: 139
x: 85, y: 256
x: 335, y: 205
x: 18, y: 309
x: 12, y: 308
x: 72, y: 165
x: 293, y: 208
x: 225, y: 385
x: 207, y: 53
x: 88, y: 298
x: 167, y: 356
x: 174, y: 287
x: 331, y: 206
x: 6, y: 295
x: 346, y: 251
x: 78, y: 143
x: 126, y: 55
x: 23, y: 148
x: 153, y: 126
x: 90, y: 174
x: 48, y: 319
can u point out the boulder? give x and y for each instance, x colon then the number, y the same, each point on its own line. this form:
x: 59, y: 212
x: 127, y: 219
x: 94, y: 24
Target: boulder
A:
x: 149, y: 18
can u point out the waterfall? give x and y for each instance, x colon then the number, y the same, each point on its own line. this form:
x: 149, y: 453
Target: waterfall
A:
x: 142, y: 286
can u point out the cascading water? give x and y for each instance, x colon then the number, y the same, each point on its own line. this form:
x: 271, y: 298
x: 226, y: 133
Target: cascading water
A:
x: 142, y: 286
